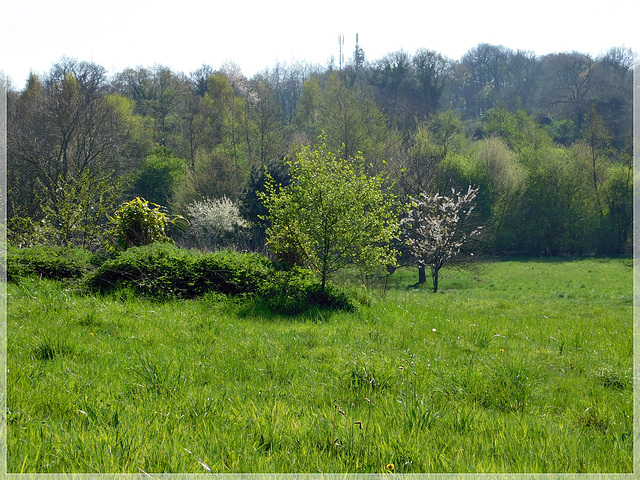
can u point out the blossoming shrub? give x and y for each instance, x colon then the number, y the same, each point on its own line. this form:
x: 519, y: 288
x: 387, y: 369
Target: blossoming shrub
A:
x: 215, y: 223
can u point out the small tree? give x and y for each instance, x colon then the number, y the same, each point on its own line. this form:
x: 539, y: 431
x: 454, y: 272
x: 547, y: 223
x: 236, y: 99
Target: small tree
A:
x: 436, y: 227
x: 331, y: 215
x: 78, y: 215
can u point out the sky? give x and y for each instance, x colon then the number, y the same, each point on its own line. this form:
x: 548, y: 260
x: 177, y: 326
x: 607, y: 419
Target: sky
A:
x: 255, y: 34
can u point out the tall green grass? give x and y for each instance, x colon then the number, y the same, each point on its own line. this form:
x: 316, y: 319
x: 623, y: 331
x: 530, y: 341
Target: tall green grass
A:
x: 514, y: 366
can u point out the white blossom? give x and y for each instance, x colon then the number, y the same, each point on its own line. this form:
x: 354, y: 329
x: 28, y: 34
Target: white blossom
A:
x: 434, y: 227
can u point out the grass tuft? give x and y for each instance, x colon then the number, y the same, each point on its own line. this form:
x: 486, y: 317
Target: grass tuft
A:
x: 49, y: 349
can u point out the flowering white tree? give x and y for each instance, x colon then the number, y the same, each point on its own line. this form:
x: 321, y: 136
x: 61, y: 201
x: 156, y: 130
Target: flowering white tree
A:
x: 436, y: 227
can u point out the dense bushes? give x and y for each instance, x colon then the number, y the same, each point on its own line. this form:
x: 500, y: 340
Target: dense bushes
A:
x: 162, y: 270
x: 49, y: 262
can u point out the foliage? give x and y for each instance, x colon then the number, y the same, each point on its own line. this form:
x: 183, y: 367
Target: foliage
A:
x: 346, y: 112
x: 502, y: 181
x: 74, y: 131
x: 251, y: 207
x: 158, y: 176
x: 231, y: 273
x: 215, y: 174
x: 618, y: 198
x: 352, y: 121
x: 332, y: 215
x: 163, y: 270
x: 296, y: 290
x: 436, y: 227
x: 556, y: 215
x: 66, y: 139
x: 76, y: 218
x: 137, y: 222
x: 214, y: 223
x: 23, y: 231
x: 80, y: 212
x: 49, y: 262
x: 517, y: 129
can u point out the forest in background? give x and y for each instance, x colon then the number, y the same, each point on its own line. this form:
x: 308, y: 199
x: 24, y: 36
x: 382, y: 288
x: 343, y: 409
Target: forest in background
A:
x: 547, y: 139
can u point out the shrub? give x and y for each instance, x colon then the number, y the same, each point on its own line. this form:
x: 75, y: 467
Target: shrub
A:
x: 137, y: 223
x: 49, y: 262
x: 215, y: 223
x: 333, y: 214
x: 232, y: 273
x: 164, y: 270
x: 297, y: 289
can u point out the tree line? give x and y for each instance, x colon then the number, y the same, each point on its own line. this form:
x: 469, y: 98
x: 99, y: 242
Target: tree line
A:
x: 546, y: 140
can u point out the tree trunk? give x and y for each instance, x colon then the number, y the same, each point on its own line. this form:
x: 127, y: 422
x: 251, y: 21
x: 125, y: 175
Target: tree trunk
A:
x: 434, y: 277
x: 422, y: 275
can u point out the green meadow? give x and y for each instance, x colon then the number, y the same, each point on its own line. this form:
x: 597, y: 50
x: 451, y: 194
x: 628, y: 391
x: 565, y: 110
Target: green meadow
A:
x: 514, y: 366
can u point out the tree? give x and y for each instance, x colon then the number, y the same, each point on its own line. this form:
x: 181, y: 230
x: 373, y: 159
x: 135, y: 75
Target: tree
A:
x: 286, y: 85
x: 565, y: 86
x: 252, y: 208
x: 432, y: 72
x: 65, y: 133
x: 486, y: 69
x: 613, y: 94
x: 594, y: 148
x: 432, y: 142
x: 556, y: 214
x: 618, y: 197
x: 349, y: 117
x: 332, y: 214
x: 159, y: 175
x: 503, y: 182
x: 265, y: 114
x: 215, y: 174
x: 226, y: 114
x: 436, y: 227
x: 396, y: 87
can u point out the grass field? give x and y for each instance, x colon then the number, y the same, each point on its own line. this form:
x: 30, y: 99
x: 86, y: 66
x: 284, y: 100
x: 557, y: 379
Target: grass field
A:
x: 515, y: 366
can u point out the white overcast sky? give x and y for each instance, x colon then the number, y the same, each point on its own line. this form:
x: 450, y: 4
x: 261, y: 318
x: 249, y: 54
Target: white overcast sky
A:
x: 184, y: 34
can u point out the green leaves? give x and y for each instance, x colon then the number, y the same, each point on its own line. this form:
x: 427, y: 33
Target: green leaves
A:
x: 159, y: 175
x: 163, y: 270
x: 332, y: 215
x: 137, y: 223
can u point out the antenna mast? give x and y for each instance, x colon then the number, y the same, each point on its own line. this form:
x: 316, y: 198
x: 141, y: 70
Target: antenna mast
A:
x: 341, y: 44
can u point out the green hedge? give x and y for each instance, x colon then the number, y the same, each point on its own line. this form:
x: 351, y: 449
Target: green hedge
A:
x: 50, y: 262
x: 164, y: 270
